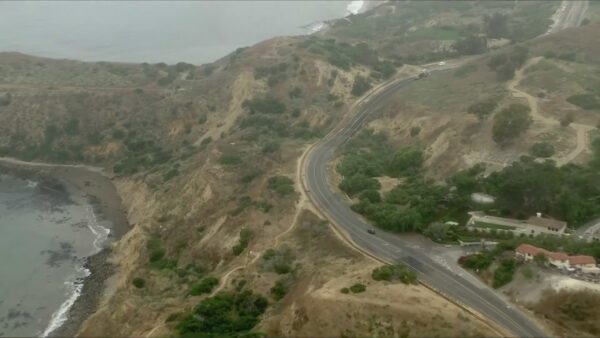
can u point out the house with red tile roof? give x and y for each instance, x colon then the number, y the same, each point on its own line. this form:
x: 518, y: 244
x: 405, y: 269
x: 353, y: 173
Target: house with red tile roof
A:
x: 558, y: 259
x: 581, y: 261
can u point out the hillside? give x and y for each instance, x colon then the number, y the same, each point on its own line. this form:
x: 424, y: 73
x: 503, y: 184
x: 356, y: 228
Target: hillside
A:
x: 206, y: 160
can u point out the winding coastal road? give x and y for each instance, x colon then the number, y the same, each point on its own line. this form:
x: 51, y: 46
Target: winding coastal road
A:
x: 391, y: 248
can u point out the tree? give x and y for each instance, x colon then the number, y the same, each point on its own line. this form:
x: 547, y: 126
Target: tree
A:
x: 361, y: 85
x: 510, y: 123
x: 279, y: 289
x: 471, y: 45
x: 405, y: 162
x: 397, y: 272
x: 567, y: 120
x: 282, y: 185
x: 357, y: 183
x: 504, y: 273
x: 438, y: 231
x: 505, y: 72
x: 496, y: 25
x: 542, y: 149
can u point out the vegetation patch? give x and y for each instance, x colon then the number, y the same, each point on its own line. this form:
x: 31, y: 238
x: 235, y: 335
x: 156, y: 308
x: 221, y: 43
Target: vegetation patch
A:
x: 510, y: 123
x: 360, y: 86
x: 282, y: 185
x: 505, y: 64
x: 396, y: 272
x: 504, y: 273
x: 230, y: 159
x: 206, y: 285
x: 358, y: 288
x: 278, y: 260
x: 542, y: 149
x: 586, y: 101
x: 280, y: 289
x: 266, y: 105
x: 139, y: 282
x: 226, y: 314
x: 157, y: 254
x: 244, y: 240
x: 577, y: 311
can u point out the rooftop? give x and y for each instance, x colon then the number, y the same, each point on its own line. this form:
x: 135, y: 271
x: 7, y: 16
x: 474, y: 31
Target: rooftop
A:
x: 547, y: 222
x: 556, y: 256
x: 582, y: 260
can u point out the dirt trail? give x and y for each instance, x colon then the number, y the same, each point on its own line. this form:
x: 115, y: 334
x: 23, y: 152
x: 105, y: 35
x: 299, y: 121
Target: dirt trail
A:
x: 580, y: 129
x: 301, y: 205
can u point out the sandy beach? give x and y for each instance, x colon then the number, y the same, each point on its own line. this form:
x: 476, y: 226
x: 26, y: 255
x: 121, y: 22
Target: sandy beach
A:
x: 83, y: 185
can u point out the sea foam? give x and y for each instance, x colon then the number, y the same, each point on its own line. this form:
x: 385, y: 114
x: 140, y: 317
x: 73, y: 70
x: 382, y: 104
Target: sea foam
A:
x: 75, y: 283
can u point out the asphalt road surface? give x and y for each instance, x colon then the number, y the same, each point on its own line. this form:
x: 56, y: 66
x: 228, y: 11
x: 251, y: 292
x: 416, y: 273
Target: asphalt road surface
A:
x: 391, y: 248
x: 571, y: 15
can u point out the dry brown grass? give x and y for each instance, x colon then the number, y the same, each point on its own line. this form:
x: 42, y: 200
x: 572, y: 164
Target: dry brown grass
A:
x: 574, y: 313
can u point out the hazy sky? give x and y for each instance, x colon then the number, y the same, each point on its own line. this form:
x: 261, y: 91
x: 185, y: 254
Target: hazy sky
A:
x: 153, y: 31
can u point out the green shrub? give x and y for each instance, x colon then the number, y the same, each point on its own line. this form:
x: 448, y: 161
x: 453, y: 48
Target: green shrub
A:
x: 361, y: 85
x: 510, y: 123
x: 542, y: 149
x: 267, y: 105
x: 355, y: 184
x: 206, y: 285
x: 139, y: 282
x: 586, y: 101
x: 279, y: 261
x: 230, y: 159
x: 504, y: 273
x: 282, y: 185
x: 279, y: 289
x: 471, y: 45
x: 358, y: 288
x: 478, y: 262
x: 371, y: 196
x: 244, y: 240
x: 407, y: 161
x: 345, y: 290
x: 226, y: 314
x: 157, y: 254
x: 396, y: 272
x: 414, y: 131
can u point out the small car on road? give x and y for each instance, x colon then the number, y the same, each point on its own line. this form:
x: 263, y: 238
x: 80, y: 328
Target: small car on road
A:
x: 371, y: 231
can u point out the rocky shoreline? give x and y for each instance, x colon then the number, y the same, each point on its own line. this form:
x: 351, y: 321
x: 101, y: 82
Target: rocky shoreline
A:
x: 81, y: 185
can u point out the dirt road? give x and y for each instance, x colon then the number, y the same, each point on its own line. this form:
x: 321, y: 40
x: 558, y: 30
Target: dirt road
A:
x: 547, y: 122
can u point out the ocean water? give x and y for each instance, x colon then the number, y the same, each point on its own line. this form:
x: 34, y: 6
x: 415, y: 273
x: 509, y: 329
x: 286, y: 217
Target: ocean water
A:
x: 156, y: 31
x: 44, y: 237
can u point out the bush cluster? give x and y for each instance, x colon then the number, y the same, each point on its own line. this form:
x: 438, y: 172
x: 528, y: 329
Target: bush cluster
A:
x: 396, y: 272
